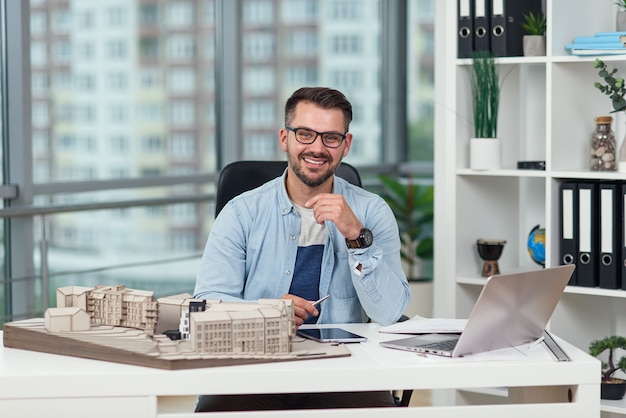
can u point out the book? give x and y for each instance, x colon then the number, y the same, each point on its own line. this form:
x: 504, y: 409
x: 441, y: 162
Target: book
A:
x: 618, y: 33
x: 615, y: 37
x: 600, y: 51
x: 595, y: 45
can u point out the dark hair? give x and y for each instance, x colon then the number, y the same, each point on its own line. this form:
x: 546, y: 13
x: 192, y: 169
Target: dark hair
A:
x: 320, y: 96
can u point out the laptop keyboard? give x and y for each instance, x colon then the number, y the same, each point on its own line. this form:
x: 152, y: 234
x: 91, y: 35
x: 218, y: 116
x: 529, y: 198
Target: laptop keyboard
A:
x: 447, y: 345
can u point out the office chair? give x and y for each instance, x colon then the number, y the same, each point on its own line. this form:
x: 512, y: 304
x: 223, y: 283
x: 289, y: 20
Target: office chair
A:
x: 240, y: 176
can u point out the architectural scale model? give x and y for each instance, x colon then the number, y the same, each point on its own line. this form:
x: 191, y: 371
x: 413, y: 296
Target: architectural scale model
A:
x: 213, y: 327
x: 113, y: 323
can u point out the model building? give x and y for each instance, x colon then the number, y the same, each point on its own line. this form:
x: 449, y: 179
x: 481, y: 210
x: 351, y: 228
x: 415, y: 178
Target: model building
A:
x: 113, y: 305
x: 206, y: 327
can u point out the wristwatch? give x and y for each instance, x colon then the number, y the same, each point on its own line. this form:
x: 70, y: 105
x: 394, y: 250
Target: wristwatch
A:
x: 364, y: 240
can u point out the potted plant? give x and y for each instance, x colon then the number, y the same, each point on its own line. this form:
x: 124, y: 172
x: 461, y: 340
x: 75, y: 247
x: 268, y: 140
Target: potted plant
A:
x: 611, y: 387
x: 412, y: 205
x: 485, y: 146
x: 615, y: 88
x: 534, y: 43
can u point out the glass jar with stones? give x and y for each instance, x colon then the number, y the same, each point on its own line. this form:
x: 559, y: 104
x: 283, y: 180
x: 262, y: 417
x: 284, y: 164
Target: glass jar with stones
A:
x: 603, y: 146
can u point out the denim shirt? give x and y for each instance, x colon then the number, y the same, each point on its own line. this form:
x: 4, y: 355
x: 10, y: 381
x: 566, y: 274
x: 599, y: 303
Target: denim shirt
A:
x: 251, y: 253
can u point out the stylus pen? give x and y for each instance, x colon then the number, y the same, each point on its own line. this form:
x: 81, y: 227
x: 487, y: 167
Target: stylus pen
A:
x: 317, y: 302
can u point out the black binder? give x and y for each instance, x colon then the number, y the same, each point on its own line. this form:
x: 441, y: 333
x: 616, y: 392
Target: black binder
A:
x: 465, y: 28
x: 587, y: 265
x: 506, y: 32
x: 609, y: 242
x: 622, y: 231
x: 482, y: 30
x: 568, y: 218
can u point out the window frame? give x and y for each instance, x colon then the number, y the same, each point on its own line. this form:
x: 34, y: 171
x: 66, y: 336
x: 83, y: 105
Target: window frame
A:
x: 18, y: 212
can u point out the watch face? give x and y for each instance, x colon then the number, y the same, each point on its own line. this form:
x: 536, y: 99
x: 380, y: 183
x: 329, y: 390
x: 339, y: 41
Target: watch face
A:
x: 367, y: 237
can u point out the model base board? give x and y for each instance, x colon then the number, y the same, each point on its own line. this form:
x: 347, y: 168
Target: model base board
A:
x: 133, y: 346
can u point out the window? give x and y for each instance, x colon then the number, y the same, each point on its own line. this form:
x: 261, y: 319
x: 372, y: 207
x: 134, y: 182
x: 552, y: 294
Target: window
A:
x: 259, y: 80
x: 117, y: 49
x: 62, y: 51
x: 117, y: 17
x: 302, y: 43
x: 150, y: 112
x: 259, y: 113
x: 118, y: 113
x: 258, y: 46
x: 62, y: 21
x: 40, y: 83
x: 182, y: 80
x: 85, y: 82
x: 38, y: 23
x: 182, y: 114
x: 38, y: 53
x: 85, y: 51
x: 346, y: 45
x: 345, y: 10
x: 116, y: 87
x: 117, y: 81
x: 84, y: 19
x: 300, y: 11
x: 180, y: 13
x: 148, y: 14
x: 152, y: 144
x: 183, y: 145
x: 258, y: 12
x: 181, y: 48
x: 119, y: 144
x: 302, y: 76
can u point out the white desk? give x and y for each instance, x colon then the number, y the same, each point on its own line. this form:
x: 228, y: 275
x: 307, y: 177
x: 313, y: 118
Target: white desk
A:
x: 37, y: 384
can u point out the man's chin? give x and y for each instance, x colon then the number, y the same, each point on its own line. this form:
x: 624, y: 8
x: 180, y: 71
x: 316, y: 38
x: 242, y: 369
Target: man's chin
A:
x: 314, y: 180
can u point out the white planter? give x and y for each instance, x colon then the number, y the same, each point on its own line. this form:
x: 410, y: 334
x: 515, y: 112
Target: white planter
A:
x: 534, y: 45
x: 620, y: 21
x: 485, y: 153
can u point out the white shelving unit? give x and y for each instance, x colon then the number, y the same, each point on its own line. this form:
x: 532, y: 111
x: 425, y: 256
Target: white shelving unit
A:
x: 547, y: 111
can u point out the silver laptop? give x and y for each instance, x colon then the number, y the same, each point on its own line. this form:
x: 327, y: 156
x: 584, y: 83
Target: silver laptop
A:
x: 512, y: 309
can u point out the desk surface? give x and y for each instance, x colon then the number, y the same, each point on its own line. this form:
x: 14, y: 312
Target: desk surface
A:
x: 27, y: 374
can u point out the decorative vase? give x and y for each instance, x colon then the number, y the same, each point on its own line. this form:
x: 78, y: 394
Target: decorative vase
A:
x: 490, y: 251
x: 620, y: 21
x: 621, y: 159
x: 603, y: 148
x: 485, y: 153
x: 534, y: 45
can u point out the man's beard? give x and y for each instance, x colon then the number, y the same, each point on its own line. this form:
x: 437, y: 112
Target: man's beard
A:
x: 311, y: 182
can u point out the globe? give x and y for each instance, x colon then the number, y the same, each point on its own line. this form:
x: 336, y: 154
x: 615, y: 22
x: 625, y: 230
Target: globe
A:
x: 537, y: 245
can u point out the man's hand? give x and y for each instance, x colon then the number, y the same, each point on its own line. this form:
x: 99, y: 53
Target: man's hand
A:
x: 333, y: 207
x: 302, y: 308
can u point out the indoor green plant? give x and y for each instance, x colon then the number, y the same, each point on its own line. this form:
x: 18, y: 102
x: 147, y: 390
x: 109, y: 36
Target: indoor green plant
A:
x: 612, y: 387
x: 534, y: 44
x: 613, y: 87
x: 534, y: 24
x: 485, y: 147
x: 412, y: 205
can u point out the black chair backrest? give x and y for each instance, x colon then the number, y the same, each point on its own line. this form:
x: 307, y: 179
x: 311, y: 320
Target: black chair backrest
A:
x: 241, y: 176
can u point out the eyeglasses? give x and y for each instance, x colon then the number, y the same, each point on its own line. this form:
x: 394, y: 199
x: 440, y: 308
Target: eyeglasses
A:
x: 308, y: 136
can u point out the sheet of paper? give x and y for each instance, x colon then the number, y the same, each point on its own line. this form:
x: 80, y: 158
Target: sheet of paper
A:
x: 421, y: 325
